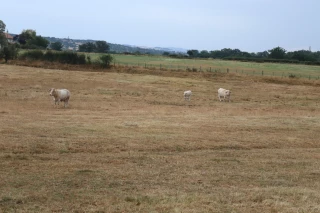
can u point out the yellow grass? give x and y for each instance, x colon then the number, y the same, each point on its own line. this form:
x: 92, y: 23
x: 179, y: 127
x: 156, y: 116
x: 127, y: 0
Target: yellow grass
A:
x: 130, y: 143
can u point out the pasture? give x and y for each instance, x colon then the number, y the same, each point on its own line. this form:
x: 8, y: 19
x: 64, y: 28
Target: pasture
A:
x: 247, y: 68
x: 130, y: 143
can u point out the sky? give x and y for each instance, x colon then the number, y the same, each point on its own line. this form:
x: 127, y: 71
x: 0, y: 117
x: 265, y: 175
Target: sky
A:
x: 248, y: 25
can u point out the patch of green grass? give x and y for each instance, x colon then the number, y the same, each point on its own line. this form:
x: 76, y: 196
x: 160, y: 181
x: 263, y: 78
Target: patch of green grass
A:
x: 249, y: 68
x: 214, y: 63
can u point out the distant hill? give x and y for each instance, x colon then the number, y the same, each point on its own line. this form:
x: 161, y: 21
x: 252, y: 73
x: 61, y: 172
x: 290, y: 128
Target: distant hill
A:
x: 73, y: 44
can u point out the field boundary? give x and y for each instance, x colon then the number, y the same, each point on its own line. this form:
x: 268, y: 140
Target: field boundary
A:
x: 150, y: 69
x: 285, y: 74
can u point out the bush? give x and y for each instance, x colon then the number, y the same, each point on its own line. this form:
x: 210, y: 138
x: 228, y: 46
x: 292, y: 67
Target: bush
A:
x: 9, y: 52
x: 56, y: 46
x: 64, y: 57
x: 89, y: 59
x: 32, y: 55
x: 49, y: 56
x: 105, y: 60
x: 81, y: 59
x: 31, y: 47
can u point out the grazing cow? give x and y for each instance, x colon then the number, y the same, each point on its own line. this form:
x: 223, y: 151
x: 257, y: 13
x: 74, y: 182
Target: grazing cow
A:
x: 187, y: 94
x: 60, y: 95
x: 224, y: 93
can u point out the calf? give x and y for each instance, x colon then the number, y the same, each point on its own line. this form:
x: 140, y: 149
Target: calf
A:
x: 224, y: 93
x: 60, y: 95
x: 187, y: 94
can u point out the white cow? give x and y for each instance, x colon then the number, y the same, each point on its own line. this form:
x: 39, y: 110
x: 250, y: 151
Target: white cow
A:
x: 224, y: 93
x: 60, y: 95
x: 187, y: 94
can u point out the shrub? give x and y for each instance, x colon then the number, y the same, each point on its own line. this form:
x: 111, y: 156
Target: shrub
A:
x: 32, y: 55
x: 49, y: 56
x: 67, y: 57
x: 89, y: 59
x: 31, y: 47
x: 105, y: 60
x: 9, y: 52
x: 81, y: 59
x: 64, y: 57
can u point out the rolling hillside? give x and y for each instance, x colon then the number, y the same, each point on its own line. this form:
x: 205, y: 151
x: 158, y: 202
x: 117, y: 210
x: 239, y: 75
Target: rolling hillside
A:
x: 73, y: 44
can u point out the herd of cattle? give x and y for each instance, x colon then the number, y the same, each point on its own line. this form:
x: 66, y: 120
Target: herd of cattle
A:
x: 64, y: 95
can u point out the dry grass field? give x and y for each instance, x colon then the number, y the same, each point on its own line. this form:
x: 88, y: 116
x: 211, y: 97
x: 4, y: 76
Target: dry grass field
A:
x: 130, y: 143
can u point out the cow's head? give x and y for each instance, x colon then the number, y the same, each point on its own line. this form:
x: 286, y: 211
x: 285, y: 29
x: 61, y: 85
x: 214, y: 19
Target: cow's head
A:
x: 52, y: 90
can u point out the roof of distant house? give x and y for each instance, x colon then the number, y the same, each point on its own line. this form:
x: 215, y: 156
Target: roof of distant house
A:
x: 8, y: 36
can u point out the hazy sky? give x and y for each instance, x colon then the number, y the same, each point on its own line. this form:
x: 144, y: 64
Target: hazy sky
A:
x: 249, y: 25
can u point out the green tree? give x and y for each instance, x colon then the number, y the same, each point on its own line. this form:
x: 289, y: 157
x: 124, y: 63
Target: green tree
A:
x: 204, y: 54
x: 56, y: 46
x: 302, y: 55
x: 263, y: 54
x: 277, y: 53
x: 9, y: 52
x: 226, y: 52
x: 193, y: 53
x: 3, y: 39
x: 29, y: 40
x: 38, y: 41
x: 102, y: 47
x: 2, y: 26
x: 215, y: 54
x: 106, y: 60
x: 26, y: 35
x: 245, y: 54
x: 87, y: 47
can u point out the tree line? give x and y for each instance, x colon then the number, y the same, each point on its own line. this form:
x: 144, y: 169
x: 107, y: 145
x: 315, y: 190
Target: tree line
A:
x: 35, y: 44
x: 28, y: 39
x: 277, y: 54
